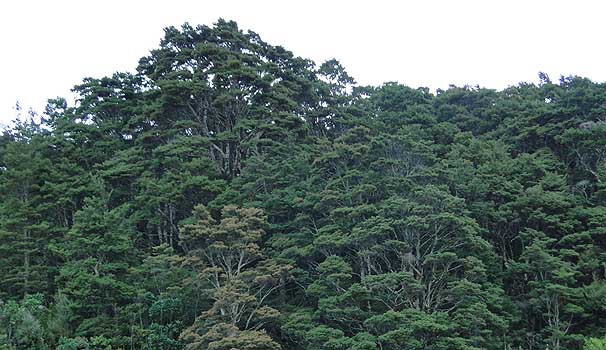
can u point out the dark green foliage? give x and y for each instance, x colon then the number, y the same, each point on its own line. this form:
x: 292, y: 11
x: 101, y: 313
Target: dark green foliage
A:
x: 230, y: 195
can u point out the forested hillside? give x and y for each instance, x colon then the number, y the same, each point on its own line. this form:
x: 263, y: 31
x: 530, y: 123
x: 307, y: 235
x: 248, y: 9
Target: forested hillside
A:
x: 233, y: 196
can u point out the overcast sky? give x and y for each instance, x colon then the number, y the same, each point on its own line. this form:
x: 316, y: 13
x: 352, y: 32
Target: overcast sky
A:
x: 49, y: 46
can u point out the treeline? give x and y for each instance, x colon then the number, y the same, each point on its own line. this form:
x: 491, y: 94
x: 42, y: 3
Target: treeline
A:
x: 230, y: 195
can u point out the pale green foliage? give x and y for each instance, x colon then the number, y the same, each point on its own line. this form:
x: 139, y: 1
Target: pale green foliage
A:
x: 595, y: 344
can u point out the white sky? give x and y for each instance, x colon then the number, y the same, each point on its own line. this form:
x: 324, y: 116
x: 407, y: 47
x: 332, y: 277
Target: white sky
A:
x: 49, y: 46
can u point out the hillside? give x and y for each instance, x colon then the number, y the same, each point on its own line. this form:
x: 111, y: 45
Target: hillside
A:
x: 230, y: 195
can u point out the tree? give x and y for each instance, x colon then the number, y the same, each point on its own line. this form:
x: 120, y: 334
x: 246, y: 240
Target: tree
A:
x: 22, y: 325
x: 24, y: 232
x: 240, y: 279
x: 97, y: 251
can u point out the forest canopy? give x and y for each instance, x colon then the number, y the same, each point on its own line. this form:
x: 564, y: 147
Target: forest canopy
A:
x: 229, y: 195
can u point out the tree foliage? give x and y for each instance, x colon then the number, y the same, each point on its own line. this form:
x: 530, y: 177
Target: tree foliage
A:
x: 231, y: 195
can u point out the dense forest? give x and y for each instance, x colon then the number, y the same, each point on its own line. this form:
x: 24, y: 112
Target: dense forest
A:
x: 232, y: 196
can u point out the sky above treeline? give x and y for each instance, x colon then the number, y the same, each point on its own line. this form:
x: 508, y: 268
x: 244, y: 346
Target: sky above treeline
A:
x: 49, y: 46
